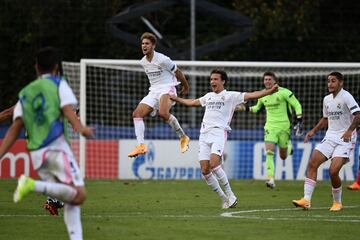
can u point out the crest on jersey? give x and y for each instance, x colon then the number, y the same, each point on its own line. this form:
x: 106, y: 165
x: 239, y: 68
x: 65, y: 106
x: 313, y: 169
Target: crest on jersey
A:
x: 223, y: 98
x: 339, y: 106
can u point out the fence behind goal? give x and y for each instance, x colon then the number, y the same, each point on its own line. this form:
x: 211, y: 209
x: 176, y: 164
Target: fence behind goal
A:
x: 109, y: 91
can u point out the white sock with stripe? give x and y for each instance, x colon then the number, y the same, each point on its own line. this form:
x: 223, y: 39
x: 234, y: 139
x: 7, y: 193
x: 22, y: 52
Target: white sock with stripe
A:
x: 72, y: 221
x: 139, y: 130
x: 309, y: 186
x: 223, y: 179
x: 174, y: 124
x: 214, y: 185
x: 337, y: 192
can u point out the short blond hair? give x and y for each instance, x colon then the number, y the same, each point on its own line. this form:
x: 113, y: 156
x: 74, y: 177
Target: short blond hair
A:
x: 149, y: 36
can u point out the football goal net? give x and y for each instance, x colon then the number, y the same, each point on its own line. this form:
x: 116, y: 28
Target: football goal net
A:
x: 109, y: 91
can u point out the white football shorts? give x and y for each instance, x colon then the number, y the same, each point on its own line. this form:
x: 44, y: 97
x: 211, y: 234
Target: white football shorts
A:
x: 332, y: 149
x: 57, y: 163
x: 153, y: 98
x: 212, y: 141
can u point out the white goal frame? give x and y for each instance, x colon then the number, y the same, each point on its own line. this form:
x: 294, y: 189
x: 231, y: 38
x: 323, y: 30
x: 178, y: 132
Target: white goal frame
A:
x: 85, y: 62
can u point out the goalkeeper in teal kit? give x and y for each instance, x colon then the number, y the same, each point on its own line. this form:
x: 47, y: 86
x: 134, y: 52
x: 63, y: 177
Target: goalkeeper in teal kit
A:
x: 277, y: 130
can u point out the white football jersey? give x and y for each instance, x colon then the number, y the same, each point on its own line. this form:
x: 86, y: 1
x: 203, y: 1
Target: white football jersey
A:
x: 160, y: 71
x: 219, y: 109
x: 339, y: 112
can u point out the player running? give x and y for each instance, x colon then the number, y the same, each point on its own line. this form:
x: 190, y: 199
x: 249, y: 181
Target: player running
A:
x: 40, y: 110
x: 341, y: 115
x: 277, y: 130
x: 219, y: 108
x: 163, y: 75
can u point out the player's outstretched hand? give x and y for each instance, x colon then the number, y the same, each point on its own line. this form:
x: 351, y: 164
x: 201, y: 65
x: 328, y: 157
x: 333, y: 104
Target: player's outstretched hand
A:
x: 274, y: 88
x: 308, y: 136
x: 240, y: 108
x: 87, y: 132
x: 347, y: 136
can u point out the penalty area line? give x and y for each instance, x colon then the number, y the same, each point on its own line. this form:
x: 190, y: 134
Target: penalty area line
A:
x: 325, y: 218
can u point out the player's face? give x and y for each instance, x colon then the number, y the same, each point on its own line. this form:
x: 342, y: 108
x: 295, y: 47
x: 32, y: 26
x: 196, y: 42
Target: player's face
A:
x: 334, y: 84
x: 147, y: 46
x: 217, y: 84
x: 269, y: 81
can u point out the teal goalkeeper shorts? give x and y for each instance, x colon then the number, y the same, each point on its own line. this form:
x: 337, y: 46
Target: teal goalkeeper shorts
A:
x: 277, y: 136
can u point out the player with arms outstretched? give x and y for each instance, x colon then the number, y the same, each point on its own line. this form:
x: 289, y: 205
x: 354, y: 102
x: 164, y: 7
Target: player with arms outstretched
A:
x: 163, y: 75
x: 341, y: 115
x: 277, y: 130
x: 219, y: 108
x: 40, y: 110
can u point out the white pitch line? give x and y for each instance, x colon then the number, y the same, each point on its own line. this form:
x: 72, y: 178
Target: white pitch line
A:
x: 237, y: 214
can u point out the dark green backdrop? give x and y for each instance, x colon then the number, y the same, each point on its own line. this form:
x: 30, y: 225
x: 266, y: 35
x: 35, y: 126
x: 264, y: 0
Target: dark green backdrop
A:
x: 284, y: 30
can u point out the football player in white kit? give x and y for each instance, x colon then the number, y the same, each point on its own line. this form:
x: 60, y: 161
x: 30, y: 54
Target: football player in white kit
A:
x: 163, y: 75
x: 219, y: 108
x: 341, y: 114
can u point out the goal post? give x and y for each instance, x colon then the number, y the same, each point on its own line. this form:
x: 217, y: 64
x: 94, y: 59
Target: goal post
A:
x: 109, y: 90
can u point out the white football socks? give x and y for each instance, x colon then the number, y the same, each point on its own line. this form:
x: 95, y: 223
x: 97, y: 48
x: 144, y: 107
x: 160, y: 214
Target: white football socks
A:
x: 223, y: 179
x: 72, y: 221
x: 174, y: 123
x: 214, y: 185
x: 59, y: 191
x: 309, y: 186
x: 337, y: 192
x: 139, y: 130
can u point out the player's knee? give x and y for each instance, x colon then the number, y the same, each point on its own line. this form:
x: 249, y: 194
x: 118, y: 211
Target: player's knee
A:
x: 205, y: 170
x: 283, y: 156
x: 164, y: 115
x: 213, y: 165
x: 80, y: 197
x: 136, y: 114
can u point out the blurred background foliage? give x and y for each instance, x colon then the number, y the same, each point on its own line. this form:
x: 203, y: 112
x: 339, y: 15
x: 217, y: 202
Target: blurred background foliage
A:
x: 283, y: 30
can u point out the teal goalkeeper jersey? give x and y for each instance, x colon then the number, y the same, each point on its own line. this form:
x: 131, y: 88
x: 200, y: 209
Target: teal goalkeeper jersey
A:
x: 278, y: 107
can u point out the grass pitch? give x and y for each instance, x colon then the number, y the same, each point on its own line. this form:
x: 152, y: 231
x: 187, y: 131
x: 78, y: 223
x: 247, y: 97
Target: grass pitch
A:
x: 186, y: 210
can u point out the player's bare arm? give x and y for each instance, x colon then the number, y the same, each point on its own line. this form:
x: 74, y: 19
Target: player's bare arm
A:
x: 186, y: 102
x: 75, y: 122
x: 6, y: 114
x: 11, y: 136
x: 185, y: 85
x: 355, y: 124
x: 261, y: 93
x: 320, y: 125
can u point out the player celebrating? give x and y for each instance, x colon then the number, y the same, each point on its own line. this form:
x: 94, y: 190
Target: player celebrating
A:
x: 277, y: 130
x: 40, y: 110
x: 163, y: 75
x: 341, y: 114
x: 219, y: 108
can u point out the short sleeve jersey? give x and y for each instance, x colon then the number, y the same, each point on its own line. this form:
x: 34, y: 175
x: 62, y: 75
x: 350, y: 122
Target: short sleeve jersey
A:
x: 160, y: 71
x: 219, y: 109
x: 339, y: 112
x: 66, y: 95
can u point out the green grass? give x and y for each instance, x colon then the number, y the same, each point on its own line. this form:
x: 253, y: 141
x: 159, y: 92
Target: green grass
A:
x: 185, y: 210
